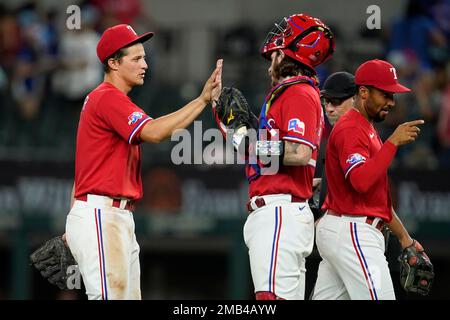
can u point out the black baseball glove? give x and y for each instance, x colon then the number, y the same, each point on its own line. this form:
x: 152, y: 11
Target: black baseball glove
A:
x: 233, y: 112
x: 52, y: 260
x: 416, y: 270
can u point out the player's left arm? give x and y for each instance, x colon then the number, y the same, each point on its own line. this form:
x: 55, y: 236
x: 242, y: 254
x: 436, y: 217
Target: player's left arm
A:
x: 163, y: 127
x: 397, y: 228
x: 416, y: 269
x: 296, y: 154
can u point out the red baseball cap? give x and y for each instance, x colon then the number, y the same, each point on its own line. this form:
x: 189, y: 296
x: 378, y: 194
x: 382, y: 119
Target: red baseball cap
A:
x: 379, y: 74
x: 117, y: 37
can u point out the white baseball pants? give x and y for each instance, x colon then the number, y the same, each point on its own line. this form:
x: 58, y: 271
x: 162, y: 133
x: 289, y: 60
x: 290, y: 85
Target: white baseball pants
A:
x: 102, y: 241
x: 353, y: 263
x: 279, y: 236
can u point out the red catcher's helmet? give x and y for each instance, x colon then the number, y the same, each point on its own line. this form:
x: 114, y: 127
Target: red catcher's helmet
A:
x: 303, y: 38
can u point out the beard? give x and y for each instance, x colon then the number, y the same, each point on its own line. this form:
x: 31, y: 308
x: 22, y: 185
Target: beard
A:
x: 274, y: 79
x: 378, y: 117
x: 274, y: 82
x: 275, y: 76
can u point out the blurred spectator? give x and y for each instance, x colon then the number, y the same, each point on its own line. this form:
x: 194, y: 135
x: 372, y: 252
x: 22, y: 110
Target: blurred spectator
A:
x: 418, y: 33
x: 440, y: 13
x: 121, y: 11
x: 416, y: 50
x: 114, y: 12
x: 421, y: 103
x: 9, y: 39
x: 35, y: 59
x: 79, y: 70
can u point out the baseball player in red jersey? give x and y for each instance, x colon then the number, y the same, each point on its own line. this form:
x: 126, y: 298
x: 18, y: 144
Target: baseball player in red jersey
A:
x: 358, y: 202
x: 279, y: 231
x: 100, y: 226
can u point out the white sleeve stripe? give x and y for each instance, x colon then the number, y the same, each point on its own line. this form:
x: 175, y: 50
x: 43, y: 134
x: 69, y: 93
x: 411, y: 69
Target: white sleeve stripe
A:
x: 137, y: 128
x: 300, y: 140
x: 354, y: 165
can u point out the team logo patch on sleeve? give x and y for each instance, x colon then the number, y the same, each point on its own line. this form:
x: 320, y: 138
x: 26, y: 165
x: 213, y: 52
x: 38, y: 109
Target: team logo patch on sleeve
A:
x: 297, y: 126
x: 355, y: 158
x: 134, y: 117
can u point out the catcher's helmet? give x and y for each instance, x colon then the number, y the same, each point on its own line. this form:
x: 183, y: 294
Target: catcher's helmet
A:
x: 303, y: 38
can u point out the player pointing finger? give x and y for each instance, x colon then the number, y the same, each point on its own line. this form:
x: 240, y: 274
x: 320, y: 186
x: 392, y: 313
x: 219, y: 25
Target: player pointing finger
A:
x: 406, y: 132
x: 358, y: 203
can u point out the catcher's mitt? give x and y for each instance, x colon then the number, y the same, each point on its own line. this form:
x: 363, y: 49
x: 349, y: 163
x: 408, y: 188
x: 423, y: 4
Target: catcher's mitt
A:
x: 52, y: 259
x: 416, y: 270
x: 233, y: 112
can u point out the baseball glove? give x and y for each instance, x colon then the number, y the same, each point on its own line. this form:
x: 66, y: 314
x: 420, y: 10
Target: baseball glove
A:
x: 52, y: 260
x: 233, y: 112
x: 416, y: 270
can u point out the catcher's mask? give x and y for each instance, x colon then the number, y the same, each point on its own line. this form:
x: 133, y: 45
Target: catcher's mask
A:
x: 303, y: 38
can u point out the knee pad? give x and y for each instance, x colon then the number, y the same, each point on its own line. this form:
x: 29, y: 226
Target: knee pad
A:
x: 266, y: 295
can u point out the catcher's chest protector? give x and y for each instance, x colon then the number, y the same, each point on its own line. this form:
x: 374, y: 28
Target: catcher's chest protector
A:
x: 253, y: 171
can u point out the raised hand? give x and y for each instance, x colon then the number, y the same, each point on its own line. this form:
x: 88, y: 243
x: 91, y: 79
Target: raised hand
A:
x: 215, y: 94
x: 406, y: 132
x: 213, y: 86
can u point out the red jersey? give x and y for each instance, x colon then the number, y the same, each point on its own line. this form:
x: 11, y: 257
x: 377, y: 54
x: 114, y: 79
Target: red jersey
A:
x: 297, y: 115
x: 354, y: 145
x: 108, y: 154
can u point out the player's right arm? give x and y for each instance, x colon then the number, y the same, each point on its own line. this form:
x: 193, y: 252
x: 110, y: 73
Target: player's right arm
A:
x: 162, y: 128
x: 364, y: 174
x: 405, y: 133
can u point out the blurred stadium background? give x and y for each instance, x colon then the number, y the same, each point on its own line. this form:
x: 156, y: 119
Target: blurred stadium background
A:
x: 189, y: 224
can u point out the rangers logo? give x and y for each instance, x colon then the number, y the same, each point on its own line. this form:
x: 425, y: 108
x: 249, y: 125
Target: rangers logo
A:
x: 297, y: 126
x: 134, y: 117
x: 355, y: 158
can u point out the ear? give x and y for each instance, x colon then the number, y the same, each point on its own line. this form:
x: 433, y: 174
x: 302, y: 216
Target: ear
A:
x: 363, y: 92
x: 113, y: 64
